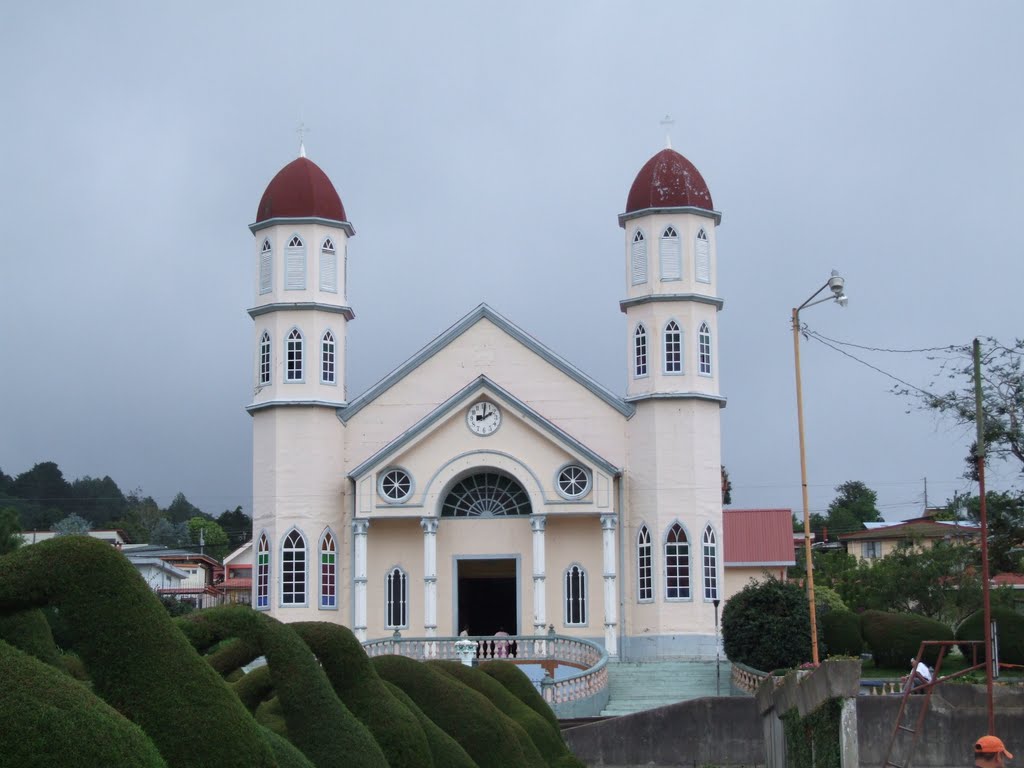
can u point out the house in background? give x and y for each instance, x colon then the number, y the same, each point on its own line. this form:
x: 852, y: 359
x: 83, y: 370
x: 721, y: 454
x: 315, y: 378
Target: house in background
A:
x: 113, y: 536
x: 201, y: 571
x: 758, y: 542
x: 159, y: 574
x: 879, y: 539
x: 237, y: 579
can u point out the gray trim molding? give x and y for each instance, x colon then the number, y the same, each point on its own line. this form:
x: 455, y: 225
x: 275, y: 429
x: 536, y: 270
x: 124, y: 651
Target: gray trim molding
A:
x: 678, y: 396
x: 277, y: 306
x: 447, y: 337
x: 292, y: 403
x: 650, y: 298
x: 716, y: 215
x: 459, y: 399
x: 258, y: 225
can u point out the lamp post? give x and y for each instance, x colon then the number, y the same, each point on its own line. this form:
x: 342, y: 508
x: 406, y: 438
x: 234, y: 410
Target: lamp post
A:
x: 835, y: 284
x: 718, y: 661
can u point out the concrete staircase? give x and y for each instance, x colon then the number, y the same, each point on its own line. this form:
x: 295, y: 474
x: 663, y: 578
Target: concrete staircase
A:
x: 636, y: 686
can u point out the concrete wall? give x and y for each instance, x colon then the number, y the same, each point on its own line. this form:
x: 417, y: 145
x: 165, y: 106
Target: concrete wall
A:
x: 727, y: 731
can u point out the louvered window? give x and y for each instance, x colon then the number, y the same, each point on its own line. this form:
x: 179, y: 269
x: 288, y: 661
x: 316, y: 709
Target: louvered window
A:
x: 266, y: 268
x: 671, y: 255
x: 328, y: 572
x: 293, y: 569
x: 575, y: 596
x: 673, y: 348
x: 295, y: 265
x: 644, y: 565
x: 639, y: 258
x: 704, y: 349
x: 710, y: 557
x: 293, y: 356
x: 640, y: 351
x: 263, y: 572
x: 328, y: 267
x: 264, y: 370
x: 327, y: 375
x: 397, y: 590
x: 677, y: 564
x: 702, y: 258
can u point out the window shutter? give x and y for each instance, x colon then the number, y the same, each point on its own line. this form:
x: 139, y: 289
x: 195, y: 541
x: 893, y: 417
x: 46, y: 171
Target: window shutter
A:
x: 639, y: 259
x: 295, y: 268
x: 702, y: 259
x: 671, y: 258
x: 329, y: 271
x: 266, y: 265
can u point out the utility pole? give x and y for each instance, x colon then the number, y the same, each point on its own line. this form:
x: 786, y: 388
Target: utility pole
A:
x: 979, y: 455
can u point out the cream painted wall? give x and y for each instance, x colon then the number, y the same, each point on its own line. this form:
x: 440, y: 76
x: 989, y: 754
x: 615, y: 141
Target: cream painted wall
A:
x: 575, y: 540
x: 392, y: 543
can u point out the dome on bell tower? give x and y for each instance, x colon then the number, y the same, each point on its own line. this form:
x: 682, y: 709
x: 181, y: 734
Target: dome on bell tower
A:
x: 668, y: 180
x: 300, y: 190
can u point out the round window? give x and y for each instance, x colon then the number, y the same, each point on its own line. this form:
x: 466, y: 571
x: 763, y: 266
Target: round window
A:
x: 395, y: 485
x: 573, y: 481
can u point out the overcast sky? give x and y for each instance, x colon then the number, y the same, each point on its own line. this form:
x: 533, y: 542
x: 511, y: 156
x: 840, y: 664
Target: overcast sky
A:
x: 482, y: 154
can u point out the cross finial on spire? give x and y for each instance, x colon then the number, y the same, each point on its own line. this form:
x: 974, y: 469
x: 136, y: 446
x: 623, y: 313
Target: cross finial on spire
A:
x: 302, y: 131
x: 668, y: 122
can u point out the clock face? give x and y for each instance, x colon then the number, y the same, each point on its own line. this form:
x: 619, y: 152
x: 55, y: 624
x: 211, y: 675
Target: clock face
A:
x: 483, y: 418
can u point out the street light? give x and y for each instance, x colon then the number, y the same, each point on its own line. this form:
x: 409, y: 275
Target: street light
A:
x: 835, y: 284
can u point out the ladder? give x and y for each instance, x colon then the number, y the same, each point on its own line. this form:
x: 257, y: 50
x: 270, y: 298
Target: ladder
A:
x: 899, y: 753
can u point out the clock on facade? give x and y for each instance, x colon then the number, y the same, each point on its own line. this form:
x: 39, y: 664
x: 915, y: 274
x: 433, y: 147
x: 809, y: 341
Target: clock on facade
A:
x: 483, y: 418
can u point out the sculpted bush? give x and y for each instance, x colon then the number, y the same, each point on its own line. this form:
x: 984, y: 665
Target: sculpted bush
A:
x: 767, y: 626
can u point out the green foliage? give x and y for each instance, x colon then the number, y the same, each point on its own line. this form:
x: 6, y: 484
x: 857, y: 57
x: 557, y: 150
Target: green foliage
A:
x: 43, y: 488
x: 10, y: 527
x: 168, y: 534
x: 548, y: 740
x: 97, y: 500
x: 511, y: 676
x: 237, y: 525
x: 813, y: 741
x: 726, y: 487
x: 841, y: 630
x: 72, y: 525
x: 254, y: 688
x: 176, y: 607
x: 827, y: 599
x: 285, y: 753
x: 28, y: 631
x: 230, y: 655
x: 50, y: 719
x: 490, y: 738
x: 446, y: 751
x: 855, y: 505
x: 1005, y: 516
x: 357, y: 684
x: 214, y: 540
x: 767, y: 625
x: 1011, y: 635
x: 894, y: 638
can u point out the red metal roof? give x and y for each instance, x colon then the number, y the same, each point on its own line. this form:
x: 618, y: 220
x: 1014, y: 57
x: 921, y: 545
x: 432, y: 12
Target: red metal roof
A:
x: 300, y: 190
x: 1008, y: 580
x: 668, y: 180
x: 758, y: 536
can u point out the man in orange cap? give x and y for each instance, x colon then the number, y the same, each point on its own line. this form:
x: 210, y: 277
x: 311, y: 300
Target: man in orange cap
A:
x: 989, y: 752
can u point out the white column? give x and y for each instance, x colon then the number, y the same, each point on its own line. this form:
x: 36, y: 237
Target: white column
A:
x: 537, y: 524
x: 429, y: 526
x: 359, y: 529
x: 610, y: 613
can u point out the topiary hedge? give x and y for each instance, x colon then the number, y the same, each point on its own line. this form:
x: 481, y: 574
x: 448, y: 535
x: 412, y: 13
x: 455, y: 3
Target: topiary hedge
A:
x: 841, y: 630
x: 511, y: 676
x: 446, y: 751
x: 28, y: 631
x: 1010, y: 626
x: 491, y: 738
x: 357, y: 684
x: 767, y: 625
x: 895, y: 638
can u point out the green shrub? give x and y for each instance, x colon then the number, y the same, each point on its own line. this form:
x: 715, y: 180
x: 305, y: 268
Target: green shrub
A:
x: 254, y: 688
x: 767, y: 625
x: 511, y: 676
x: 447, y: 752
x: 1011, y: 635
x: 357, y: 684
x: 49, y: 719
x: 28, y: 631
x: 137, y: 661
x: 841, y: 630
x: 491, y: 739
x: 287, y: 754
x: 827, y: 600
x: 270, y: 715
x: 231, y: 655
x: 546, y: 738
x: 895, y: 638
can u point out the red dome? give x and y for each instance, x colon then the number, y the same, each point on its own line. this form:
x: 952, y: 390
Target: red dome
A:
x: 668, y: 180
x: 300, y: 190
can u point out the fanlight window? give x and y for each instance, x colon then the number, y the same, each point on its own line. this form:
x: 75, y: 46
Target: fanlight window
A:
x: 487, y: 494
x: 573, y: 481
x: 295, y: 242
x: 395, y: 485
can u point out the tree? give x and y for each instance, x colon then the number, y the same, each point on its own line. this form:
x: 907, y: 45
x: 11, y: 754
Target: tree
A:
x: 237, y: 525
x: 141, y: 517
x: 767, y: 625
x: 726, y: 486
x: 72, y: 525
x: 1005, y: 513
x: 168, y: 534
x: 214, y: 540
x: 99, y: 501
x: 10, y: 528
x: 855, y: 505
x: 181, y: 510
x: 42, y: 494
x: 1002, y: 396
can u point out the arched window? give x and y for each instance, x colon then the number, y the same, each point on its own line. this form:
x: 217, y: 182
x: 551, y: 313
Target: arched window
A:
x: 677, y: 564
x: 263, y: 572
x: 328, y: 571
x: 702, y: 258
x: 293, y: 569
x: 638, y: 258
x: 640, y: 351
x: 710, y: 562
x: 266, y: 268
x: 575, y: 596
x: 704, y: 349
x: 671, y: 255
x: 263, y: 374
x: 397, y: 591
x: 644, y: 565
x: 295, y: 265
x: 293, y: 356
x: 328, y: 267
x: 327, y: 375
x: 487, y: 494
x: 673, y: 348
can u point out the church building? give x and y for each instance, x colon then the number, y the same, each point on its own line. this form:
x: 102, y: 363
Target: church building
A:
x: 487, y: 483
